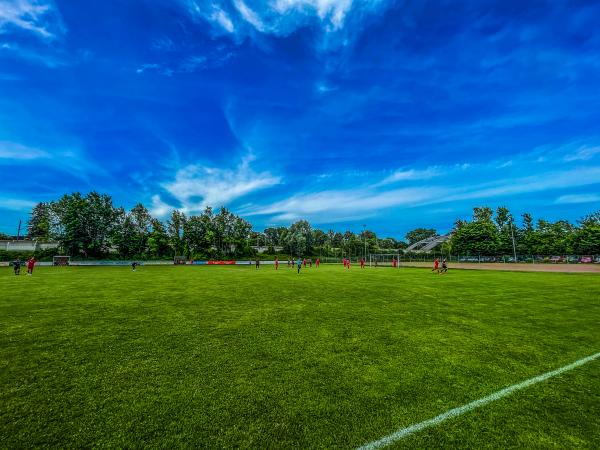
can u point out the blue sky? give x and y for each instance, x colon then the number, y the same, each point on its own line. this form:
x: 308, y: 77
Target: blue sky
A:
x: 395, y: 114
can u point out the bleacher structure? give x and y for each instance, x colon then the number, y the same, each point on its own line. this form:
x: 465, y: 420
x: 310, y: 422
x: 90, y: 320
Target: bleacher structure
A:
x: 426, y: 245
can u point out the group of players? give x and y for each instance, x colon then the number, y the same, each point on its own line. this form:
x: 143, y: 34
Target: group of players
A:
x: 299, y: 263
x: 18, y: 263
x: 436, y: 266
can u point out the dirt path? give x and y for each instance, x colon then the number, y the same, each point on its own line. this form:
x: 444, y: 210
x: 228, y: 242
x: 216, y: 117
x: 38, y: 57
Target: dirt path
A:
x: 569, y: 268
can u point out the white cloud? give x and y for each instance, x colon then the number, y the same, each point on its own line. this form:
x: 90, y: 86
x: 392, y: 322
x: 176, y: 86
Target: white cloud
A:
x: 331, y: 12
x: 583, y: 153
x: 71, y: 160
x: 250, y: 16
x: 413, y: 175
x: 160, y: 208
x: 332, y: 205
x: 49, y: 59
x: 38, y: 17
x: 14, y: 204
x: 222, y: 18
x: 578, y: 198
x: 14, y: 151
x: 197, y: 186
x: 242, y: 18
x: 144, y: 67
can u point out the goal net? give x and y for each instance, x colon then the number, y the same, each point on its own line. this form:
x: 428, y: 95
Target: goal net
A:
x: 178, y: 260
x: 384, y: 260
x: 61, y: 260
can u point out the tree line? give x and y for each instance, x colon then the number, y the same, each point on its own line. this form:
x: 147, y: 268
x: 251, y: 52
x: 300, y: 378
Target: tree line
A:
x: 91, y: 226
x: 496, y: 233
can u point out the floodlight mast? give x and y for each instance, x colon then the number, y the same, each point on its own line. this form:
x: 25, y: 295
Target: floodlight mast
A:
x: 513, y: 240
x: 364, y: 240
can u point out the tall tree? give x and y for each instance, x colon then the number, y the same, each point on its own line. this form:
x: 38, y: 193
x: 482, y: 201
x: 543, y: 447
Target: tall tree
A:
x: 418, y: 234
x: 175, y: 232
x: 40, y: 222
x: 483, y: 214
x: 84, y: 225
x: 158, y: 240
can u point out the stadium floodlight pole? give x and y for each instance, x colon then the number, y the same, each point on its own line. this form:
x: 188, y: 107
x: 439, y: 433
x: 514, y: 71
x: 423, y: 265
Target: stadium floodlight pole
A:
x: 364, y: 240
x: 513, y: 241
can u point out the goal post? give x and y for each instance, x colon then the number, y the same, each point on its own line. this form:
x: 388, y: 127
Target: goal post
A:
x: 384, y: 260
x: 179, y: 260
x: 61, y: 260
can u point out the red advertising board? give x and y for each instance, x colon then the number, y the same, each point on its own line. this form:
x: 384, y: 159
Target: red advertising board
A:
x: 220, y: 263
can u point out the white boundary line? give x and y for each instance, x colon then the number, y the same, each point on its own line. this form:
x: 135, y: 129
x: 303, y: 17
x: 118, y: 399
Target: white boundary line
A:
x: 404, y: 432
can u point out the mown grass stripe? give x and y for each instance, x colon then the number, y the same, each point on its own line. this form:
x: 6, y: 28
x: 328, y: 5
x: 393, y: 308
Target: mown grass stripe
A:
x: 405, y: 432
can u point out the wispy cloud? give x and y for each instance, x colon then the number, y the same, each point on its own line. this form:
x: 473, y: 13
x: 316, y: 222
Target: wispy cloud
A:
x: 250, y: 16
x: 281, y: 17
x: 583, y: 153
x: 14, y: 204
x: 144, y: 67
x: 339, y: 204
x: 364, y: 201
x: 13, y: 151
x: 578, y: 198
x: 413, y: 175
x: 222, y: 18
x: 189, y: 64
x: 40, y: 18
x: 51, y: 59
x: 71, y: 160
x: 197, y: 186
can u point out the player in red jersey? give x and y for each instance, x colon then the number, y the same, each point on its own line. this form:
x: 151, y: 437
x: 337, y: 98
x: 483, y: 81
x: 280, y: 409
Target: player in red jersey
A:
x: 436, y: 266
x: 31, y: 265
x: 362, y: 263
x: 348, y: 263
x: 317, y: 263
x: 276, y: 263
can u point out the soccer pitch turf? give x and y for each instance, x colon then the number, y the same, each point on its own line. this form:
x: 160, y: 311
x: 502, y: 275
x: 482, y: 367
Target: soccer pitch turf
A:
x: 238, y: 357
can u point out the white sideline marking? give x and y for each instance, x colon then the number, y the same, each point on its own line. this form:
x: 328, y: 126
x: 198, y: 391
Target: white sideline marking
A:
x: 404, y: 432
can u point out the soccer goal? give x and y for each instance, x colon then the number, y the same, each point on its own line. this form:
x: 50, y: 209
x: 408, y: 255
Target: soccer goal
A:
x: 384, y: 260
x: 61, y: 260
x: 179, y: 260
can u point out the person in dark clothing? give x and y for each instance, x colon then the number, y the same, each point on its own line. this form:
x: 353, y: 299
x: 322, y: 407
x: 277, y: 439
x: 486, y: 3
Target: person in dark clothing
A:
x: 444, y: 267
x: 17, y: 266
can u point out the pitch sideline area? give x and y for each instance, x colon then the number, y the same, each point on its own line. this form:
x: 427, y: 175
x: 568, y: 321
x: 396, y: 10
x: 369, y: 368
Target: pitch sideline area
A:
x: 234, y: 356
x: 520, y: 267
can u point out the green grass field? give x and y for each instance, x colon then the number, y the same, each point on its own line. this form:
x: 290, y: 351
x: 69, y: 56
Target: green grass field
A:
x: 235, y: 357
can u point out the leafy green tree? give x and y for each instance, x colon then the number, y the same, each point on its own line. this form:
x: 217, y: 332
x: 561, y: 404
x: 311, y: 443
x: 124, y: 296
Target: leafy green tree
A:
x: 158, y: 240
x: 299, y: 238
x: 586, y: 239
x: 476, y: 238
x: 195, y: 232
x: 419, y: 234
x: 40, y: 222
x: 504, y: 223
x: 84, y: 225
x: 483, y: 214
x: 552, y: 238
x: 175, y: 232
